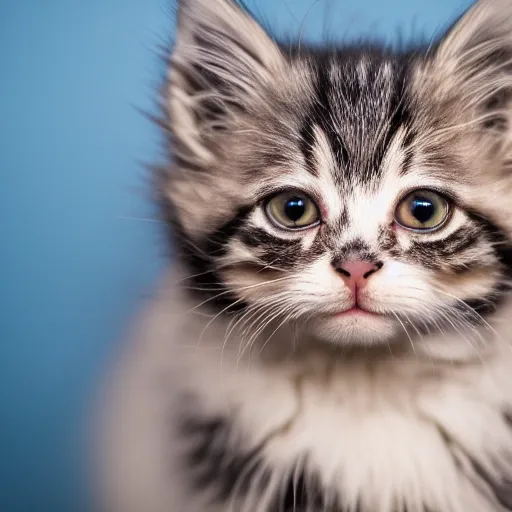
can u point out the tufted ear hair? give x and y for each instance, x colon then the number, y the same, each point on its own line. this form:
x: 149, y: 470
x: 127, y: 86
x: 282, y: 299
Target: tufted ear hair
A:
x: 222, y: 62
x: 464, y: 103
x: 221, y: 69
x: 474, y: 63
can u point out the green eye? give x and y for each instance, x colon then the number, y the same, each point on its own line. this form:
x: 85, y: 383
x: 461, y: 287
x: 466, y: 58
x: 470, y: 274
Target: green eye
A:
x: 292, y: 210
x: 422, y: 210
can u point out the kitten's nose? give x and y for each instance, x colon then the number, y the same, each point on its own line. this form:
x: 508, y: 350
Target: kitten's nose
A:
x: 356, y: 273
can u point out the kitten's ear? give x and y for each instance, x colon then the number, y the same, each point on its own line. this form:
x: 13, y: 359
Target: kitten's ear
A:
x: 222, y: 68
x: 222, y: 63
x: 474, y: 61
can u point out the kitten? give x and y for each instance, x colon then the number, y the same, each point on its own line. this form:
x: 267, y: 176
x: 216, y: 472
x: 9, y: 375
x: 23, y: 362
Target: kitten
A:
x: 335, y: 333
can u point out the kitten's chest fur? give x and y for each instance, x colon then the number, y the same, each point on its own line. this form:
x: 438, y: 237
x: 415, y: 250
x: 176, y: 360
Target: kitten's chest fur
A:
x: 319, y: 431
x: 383, y: 436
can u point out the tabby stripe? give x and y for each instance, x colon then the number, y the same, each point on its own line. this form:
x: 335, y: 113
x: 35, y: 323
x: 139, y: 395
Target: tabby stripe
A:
x: 320, y: 114
x: 215, y: 461
x: 502, y: 246
x: 206, y: 282
x: 502, y: 243
x: 458, y: 241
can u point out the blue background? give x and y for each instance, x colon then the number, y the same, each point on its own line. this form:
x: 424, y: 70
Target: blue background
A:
x: 78, y: 249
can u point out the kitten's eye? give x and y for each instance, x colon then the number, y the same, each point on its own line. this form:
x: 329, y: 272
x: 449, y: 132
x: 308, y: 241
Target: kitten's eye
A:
x: 422, y: 210
x: 292, y: 210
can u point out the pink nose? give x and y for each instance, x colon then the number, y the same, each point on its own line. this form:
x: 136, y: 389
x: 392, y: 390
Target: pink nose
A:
x: 356, y: 273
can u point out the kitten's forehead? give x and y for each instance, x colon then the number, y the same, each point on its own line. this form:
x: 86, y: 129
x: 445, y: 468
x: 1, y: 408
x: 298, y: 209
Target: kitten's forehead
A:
x: 353, y: 134
x: 359, y: 104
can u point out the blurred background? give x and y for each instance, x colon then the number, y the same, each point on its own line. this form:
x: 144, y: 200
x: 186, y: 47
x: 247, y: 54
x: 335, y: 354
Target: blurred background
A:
x: 80, y: 249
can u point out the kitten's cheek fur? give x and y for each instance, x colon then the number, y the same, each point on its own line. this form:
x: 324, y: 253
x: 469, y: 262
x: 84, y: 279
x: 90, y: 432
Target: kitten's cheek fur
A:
x: 355, y: 329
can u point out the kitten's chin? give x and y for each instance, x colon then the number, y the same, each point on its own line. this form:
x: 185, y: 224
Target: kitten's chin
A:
x: 355, y: 329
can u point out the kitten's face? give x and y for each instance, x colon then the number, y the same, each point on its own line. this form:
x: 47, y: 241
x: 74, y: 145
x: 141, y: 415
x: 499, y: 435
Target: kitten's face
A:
x: 359, y: 192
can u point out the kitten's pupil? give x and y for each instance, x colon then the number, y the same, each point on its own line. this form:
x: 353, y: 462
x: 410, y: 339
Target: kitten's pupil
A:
x: 422, y: 209
x: 294, y: 208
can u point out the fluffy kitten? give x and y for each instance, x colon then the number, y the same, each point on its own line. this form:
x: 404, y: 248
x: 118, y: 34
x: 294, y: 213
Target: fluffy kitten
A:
x: 335, y: 333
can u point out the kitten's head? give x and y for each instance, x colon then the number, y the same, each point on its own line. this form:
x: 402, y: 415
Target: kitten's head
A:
x: 358, y: 190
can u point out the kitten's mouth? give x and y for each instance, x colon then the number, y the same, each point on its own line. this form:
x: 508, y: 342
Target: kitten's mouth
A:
x: 355, y: 310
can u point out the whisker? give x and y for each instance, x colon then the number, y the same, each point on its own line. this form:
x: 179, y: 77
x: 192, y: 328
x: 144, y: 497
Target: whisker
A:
x: 406, y: 332
x: 245, y: 288
x: 472, y: 311
x: 143, y: 219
